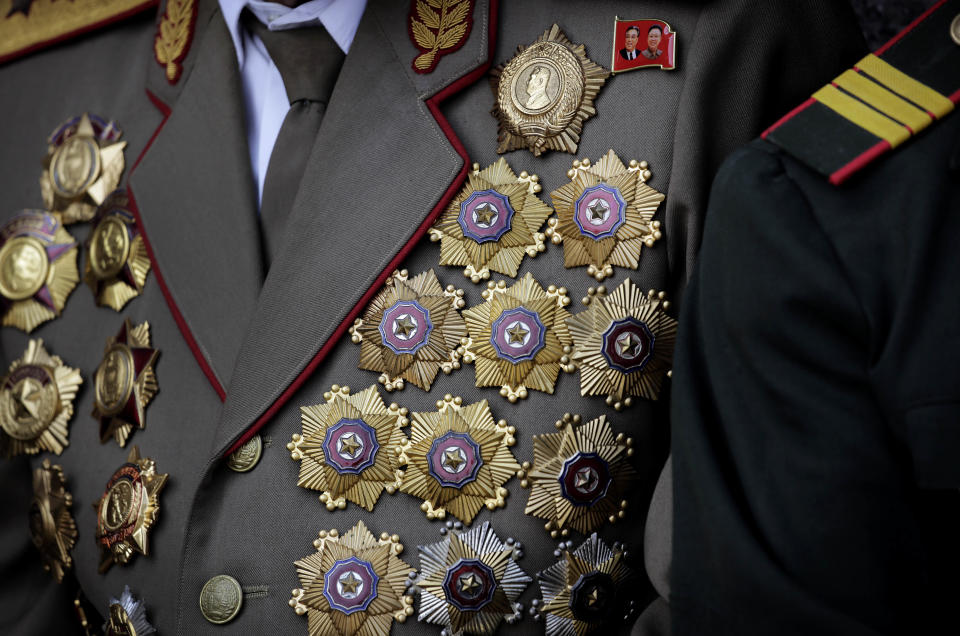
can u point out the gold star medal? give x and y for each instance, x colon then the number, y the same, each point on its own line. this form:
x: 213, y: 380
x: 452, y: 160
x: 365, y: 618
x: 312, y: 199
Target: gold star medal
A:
x: 83, y: 165
x: 353, y: 584
x: 125, y: 382
x: 38, y: 269
x: 52, y: 527
x: 117, y: 263
x: 128, y: 509
x: 411, y: 331
x: 127, y: 617
x: 458, y: 459
x: 605, y: 215
x: 586, y: 589
x: 544, y: 94
x: 623, y: 344
x: 348, y: 447
x: 519, y: 338
x: 469, y: 582
x: 492, y: 223
x: 36, y: 403
x: 579, y: 477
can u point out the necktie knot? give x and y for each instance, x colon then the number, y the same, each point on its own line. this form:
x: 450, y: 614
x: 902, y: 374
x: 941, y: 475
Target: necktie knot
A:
x: 308, y: 58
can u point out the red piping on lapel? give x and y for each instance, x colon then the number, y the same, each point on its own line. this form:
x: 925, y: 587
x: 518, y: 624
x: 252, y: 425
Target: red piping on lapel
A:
x: 78, y: 32
x: 174, y: 310
x: 433, y: 103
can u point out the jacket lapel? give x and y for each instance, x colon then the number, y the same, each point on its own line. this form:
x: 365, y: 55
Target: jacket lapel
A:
x: 381, y: 168
x: 197, y: 206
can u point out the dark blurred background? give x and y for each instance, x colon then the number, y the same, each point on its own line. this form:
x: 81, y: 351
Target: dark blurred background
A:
x: 882, y: 19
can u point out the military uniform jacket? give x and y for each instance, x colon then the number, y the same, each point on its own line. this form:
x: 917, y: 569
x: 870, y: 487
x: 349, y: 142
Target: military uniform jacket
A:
x: 815, y: 397
x: 243, y: 347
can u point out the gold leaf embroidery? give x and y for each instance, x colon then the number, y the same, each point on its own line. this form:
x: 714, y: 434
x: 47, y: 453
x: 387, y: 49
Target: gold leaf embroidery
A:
x: 173, y: 37
x: 436, y: 32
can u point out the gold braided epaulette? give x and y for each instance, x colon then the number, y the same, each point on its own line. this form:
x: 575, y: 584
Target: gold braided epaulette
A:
x: 30, y: 25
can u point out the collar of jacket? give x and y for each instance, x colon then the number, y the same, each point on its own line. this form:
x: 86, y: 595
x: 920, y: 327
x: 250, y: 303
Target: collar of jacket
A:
x: 359, y: 211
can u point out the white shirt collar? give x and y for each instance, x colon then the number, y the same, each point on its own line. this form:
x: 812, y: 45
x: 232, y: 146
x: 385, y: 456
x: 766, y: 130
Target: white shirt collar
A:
x: 339, y: 17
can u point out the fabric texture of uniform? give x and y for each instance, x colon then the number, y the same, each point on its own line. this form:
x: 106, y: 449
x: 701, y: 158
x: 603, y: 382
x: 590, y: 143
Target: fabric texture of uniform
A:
x: 239, y: 343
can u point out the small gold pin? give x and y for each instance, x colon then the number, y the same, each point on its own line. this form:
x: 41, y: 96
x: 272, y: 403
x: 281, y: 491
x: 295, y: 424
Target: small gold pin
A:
x: 643, y: 44
x: 117, y: 263
x: 411, y: 331
x: 458, y: 459
x: 519, y: 338
x: 545, y: 93
x: 623, y: 344
x: 38, y: 269
x: 605, y: 215
x: 128, y: 509
x: 580, y: 476
x: 493, y: 223
x: 354, y: 583
x: 83, y: 165
x: 125, y: 382
x: 52, y: 527
x: 36, y: 403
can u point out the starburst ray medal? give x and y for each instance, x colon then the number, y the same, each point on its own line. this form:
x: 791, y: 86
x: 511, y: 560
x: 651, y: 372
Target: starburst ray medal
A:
x: 38, y: 269
x: 580, y: 476
x: 458, y: 459
x: 493, y: 223
x: 519, y: 338
x: 605, y: 215
x: 347, y: 449
x: 52, y: 528
x: 36, y: 403
x: 354, y: 583
x: 411, y: 331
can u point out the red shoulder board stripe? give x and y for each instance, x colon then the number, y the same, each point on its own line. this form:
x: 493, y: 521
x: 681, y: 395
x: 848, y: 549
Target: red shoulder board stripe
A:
x: 30, y: 25
x: 887, y: 98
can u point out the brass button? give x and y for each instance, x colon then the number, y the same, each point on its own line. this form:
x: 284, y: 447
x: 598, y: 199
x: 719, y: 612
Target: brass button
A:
x: 220, y: 599
x: 955, y: 29
x: 247, y: 456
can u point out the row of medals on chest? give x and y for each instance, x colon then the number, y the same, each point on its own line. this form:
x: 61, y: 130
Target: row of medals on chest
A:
x: 75, y: 166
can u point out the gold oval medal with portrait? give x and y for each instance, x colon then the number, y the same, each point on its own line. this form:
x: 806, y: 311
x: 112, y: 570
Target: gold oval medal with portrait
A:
x: 544, y: 94
x: 74, y: 166
x: 109, y: 247
x: 114, y: 380
x: 23, y: 267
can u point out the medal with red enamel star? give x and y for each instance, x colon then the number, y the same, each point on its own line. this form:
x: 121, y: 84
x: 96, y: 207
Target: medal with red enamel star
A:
x: 117, y: 263
x: 125, y: 382
x: 605, y: 215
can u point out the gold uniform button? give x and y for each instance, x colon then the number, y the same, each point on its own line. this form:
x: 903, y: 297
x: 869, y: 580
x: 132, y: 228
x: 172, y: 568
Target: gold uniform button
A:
x: 955, y: 29
x: 220, y: 599
x: 247, y: 456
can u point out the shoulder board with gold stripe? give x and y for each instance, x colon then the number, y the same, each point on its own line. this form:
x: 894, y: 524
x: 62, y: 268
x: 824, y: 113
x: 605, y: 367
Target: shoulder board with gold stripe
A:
x: 29, y: 25
x: 890, y: 95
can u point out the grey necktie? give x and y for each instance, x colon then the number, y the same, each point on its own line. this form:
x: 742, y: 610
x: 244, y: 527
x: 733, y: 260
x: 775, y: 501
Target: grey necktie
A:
x: 309, y: 61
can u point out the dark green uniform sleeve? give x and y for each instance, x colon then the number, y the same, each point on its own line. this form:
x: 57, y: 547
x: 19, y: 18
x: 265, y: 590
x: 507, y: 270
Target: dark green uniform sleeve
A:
x: 792, y: 512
